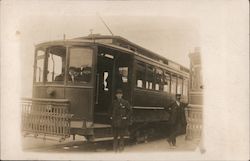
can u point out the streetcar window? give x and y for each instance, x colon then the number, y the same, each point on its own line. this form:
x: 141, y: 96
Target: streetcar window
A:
x: 56, y: 64
x: 80, y: 65
x: 105, y: 81
x: 109, y: 56
x: 166, y: 82
x: 158, y: 79
x: 140, y: 75
x: 150, y: 77
x: 139, y: 83
x: 123, y: 71
x: 179, y: 86
x: 173, y: 84
x: 185, y: 87
x: 39, y: 68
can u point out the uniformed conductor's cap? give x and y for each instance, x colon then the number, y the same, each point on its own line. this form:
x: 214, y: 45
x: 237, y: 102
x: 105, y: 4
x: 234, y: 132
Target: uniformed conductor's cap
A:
x: 118, y: 91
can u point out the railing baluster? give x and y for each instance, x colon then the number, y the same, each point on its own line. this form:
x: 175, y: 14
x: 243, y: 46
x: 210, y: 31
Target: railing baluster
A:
x: 57, y: 129
x: 49, y: 122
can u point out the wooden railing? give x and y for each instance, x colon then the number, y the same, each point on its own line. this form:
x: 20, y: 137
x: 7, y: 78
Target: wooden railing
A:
x: 46, y: 116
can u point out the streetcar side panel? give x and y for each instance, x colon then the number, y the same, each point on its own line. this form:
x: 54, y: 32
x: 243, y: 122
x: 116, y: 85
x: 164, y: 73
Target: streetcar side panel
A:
x: 152, y: 93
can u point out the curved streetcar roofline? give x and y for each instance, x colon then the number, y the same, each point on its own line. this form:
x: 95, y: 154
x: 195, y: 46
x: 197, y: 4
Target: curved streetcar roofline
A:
x: 118, y: 42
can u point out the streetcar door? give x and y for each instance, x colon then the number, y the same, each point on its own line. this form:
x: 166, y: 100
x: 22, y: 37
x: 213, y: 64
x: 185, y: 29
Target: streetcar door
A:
x: 104, y: 87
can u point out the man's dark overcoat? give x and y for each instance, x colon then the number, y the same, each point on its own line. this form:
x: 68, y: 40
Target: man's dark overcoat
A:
x: 178, y: 116
x: 121, y: 113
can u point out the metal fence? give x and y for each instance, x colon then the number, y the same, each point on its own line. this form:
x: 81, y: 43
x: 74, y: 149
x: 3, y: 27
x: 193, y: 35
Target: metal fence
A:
x: 46, y: 116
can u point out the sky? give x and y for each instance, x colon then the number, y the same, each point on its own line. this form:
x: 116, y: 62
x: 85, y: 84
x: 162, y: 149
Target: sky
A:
x: 171, y: 28
x: 152, y: 25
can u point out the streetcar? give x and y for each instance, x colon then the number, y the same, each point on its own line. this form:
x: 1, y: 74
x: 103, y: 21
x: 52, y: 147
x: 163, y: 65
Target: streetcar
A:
x: 75, y: 80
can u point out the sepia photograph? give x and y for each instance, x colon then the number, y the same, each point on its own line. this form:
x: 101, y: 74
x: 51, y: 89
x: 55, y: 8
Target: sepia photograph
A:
x: 125, y: 80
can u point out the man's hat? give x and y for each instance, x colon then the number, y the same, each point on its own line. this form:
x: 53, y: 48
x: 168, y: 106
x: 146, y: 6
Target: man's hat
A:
x: 178, y: 95
x: 118, y: 91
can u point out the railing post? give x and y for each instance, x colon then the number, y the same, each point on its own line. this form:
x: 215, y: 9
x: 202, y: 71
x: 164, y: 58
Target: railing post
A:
x: 194, y: 119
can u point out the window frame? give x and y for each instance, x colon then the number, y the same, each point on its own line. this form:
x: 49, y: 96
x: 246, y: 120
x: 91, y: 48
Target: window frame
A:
x: 35, y: 64
x: 91, y: 82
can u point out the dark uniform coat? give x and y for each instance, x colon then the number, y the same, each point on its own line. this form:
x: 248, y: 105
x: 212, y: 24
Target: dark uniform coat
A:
x: 177, y: 116
x: 121, y: 113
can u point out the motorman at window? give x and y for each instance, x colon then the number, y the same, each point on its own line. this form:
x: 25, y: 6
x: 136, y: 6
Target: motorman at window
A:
x: 177, y: 121
x: 121, y: 115
x: 84, y: 73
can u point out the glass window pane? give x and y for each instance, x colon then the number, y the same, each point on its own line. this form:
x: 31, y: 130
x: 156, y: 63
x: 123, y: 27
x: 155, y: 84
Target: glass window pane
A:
x: 173, y: 85
x: 158, y: 79
x: 139, y: 83
x: 105, y: 81
x: 80, y: 65
x: 150, y: 77
x: 56, y: 57
x: 166, y: 85
x: 140, y: 75
x: 185, y: 87
x: 157, y: 87
x: 179, y: 86
x: 39, y: 68
x: 123, y: 71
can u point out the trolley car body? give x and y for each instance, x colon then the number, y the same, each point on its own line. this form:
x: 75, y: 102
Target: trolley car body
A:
x: 75, y: 80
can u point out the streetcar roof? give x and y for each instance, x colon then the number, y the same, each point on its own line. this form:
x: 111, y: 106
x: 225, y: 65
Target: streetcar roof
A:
x: 115, y: 42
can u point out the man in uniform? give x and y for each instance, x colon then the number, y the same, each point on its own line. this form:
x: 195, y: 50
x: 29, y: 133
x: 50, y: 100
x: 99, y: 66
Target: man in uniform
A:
x: 177, y: 121
x: 120, y: 120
